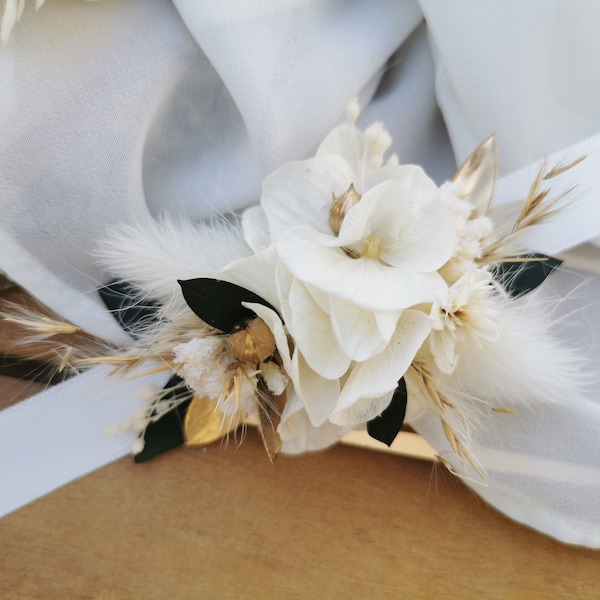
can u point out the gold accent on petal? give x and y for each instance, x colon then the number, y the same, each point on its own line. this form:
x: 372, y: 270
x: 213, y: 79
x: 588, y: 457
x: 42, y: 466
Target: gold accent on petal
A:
x: 475, y: 180
x: 204, y: 424
x: 253, y: 344
x: 341, y: 205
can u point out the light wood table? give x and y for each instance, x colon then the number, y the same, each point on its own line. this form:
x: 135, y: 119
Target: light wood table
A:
x: 225, y: 523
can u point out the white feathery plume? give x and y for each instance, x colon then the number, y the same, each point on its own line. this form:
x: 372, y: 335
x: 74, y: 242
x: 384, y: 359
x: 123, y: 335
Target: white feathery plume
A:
x: 153, y: 255
x: 525, y: 366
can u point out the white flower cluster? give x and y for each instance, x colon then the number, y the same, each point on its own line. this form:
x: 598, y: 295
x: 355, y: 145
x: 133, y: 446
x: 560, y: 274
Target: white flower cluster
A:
x: 211, y: 370
x: 364, y: 260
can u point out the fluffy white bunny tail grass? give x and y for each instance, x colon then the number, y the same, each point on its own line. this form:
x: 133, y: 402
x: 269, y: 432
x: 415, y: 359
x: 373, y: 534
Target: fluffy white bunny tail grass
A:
x: 153, y: 255
x: 527, y: 366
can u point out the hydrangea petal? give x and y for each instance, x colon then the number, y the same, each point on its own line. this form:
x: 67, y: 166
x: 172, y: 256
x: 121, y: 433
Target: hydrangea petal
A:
x: 363, y: 151
x: 386, y: 321
x: 318, y: 395
x: 357, y: 330
x: 419, y: 186
x: 313, y: 333
x: 299, y: 435
x: 380, y: 375
x: 362, y: 410
x: 364, y: 281
x: 255, y: 228
x: 380, y: 212
x: 255, y: 273
x: 360, y: 333
x: 300, y: 194
x: 428, y: 238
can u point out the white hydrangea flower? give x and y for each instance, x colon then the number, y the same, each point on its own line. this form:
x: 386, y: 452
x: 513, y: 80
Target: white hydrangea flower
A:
x: 366, y: 387
x: 351, y: 298
x: 351, y: 287
x: 467, y: 314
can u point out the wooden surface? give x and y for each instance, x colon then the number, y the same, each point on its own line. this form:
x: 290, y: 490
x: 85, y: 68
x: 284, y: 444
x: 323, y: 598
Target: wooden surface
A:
x: 225, y: 523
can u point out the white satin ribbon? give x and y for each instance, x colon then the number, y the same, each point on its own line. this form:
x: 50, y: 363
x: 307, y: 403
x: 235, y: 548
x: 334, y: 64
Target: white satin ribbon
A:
x: 85, y: 311
x: 60, y: 434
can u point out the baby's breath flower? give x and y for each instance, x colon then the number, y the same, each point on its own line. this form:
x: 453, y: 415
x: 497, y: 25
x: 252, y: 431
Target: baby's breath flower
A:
x: 465, y: 315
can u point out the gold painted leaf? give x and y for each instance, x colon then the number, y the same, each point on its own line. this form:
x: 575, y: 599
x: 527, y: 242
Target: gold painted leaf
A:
x: 204, y: 424
x: 476, y: 178
x: 341, y: 205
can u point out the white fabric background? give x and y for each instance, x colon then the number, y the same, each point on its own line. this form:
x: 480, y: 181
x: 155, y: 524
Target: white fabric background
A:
x: 116, y: 109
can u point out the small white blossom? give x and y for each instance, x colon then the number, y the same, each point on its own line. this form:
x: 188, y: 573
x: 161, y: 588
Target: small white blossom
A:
x: 465, y: 315
x: 202, y: 362
x: 210, y: 370
x: 275, y: 379
x: 470, y: 233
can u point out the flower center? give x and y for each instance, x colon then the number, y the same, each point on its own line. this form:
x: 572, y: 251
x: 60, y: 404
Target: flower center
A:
x: 339, y: 209
x: 372, y: 248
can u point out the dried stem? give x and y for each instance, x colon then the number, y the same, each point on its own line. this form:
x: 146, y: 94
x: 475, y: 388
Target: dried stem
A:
x: 539, y: 207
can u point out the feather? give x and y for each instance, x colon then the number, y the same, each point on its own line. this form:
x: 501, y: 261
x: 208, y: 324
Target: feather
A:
x: 154, y: 255
x: 526, y: 365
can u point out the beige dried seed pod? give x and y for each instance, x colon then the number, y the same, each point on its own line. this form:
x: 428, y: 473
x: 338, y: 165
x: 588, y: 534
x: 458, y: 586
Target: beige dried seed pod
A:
x: 254, y: 344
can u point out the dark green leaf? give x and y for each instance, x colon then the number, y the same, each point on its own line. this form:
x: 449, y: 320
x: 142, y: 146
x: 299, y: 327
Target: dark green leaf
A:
x: 219, y: 303
x: 388, y: 424
x: 166, y: 433
x: 523, y: 276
